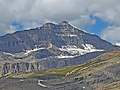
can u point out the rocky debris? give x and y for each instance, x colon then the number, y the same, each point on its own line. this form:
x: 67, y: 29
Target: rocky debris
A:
x: 104, y: 76
x: 25, y: 66
x: 16, y: 84
x: 94, y: 82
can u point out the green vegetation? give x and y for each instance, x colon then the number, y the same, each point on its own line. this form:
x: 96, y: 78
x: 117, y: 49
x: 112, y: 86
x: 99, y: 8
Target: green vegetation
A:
x: 81, y: 78
x: 59, y: 71
x: 90, y: 74
x: 7, y: 76
x: 36, y: 74
x: 76, y: 79
x: 66, y: 71
x: 49, y: 76
x: 75, y: 73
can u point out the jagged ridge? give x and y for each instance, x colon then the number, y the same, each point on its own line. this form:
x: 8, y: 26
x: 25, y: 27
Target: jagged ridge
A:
x: 49, y: 46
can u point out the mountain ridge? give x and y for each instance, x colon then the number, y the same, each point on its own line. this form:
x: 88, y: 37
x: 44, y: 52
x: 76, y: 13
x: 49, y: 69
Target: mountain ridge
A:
x: 52, y: 30
x: 49, y: 46
x: 100, y: 73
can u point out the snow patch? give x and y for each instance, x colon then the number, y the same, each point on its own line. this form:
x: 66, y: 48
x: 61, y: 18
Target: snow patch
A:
x: 72, y: 49
x: 50, y: 46
x: 83, y: 87
x: 68, y: 35
x: 117, y: 62
x: 29, y: 51
x: 118, y: 44
x: 38, y: 47
x: 65, y: 56
x: 92, y: 48
x: 39, y: 83
x: 8, y: 54
x: 21, y: 80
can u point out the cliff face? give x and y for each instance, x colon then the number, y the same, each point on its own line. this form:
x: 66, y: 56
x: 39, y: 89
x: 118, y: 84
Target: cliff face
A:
x: 49, y: 46
x: 21, y: 66
x: 57, y: 34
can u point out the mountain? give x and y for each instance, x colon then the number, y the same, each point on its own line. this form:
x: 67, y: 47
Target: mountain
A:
x: 100, y: 73
x: 61, y: 34
x: 49, y: 46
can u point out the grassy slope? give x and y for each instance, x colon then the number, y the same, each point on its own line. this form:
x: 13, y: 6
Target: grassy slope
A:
x: 78, y: 72
x: 69, y: 70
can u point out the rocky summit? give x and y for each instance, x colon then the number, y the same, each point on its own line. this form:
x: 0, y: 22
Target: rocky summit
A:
x: 49, y: 46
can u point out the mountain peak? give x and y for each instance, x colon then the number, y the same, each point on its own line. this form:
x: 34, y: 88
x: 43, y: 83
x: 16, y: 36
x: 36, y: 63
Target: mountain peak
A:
x: 49, y: 25
x: 63, y: 23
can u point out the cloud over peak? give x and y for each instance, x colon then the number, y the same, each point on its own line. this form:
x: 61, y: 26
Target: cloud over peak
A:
x: 29, y: 13
x: 111, y: 33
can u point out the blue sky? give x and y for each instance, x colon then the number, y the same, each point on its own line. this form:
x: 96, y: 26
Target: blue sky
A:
x: 98, y: 27
x: 100, y: 17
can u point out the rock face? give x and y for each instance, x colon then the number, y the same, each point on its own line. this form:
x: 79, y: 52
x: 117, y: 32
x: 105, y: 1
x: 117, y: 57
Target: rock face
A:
x: 57, y: 34
x: 49, y: 46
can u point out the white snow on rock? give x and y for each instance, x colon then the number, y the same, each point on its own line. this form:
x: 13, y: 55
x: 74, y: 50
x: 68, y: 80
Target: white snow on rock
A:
x: 21, y: 80
x: 118, y: 44
x: 117, y: 62
x: 39, y: 83
x: 8, y: 54
x: 37, y: 47
x: 68, y: 35
x: 65, y: 56
x: 72, y: 49
x: 29, y: 51
x: 50, y: 46
x: 83, y: 87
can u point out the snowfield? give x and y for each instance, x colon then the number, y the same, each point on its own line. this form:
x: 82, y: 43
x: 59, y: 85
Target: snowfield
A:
x: 37, y: 48
x: 65, y: 56
x: 72, y: 49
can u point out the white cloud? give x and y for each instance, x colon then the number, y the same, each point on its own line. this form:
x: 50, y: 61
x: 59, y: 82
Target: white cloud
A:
x: 30, y: 13
x: 30, y: 24
x: 82, y: 21
x: 11, y: 29
x: 111, y: 33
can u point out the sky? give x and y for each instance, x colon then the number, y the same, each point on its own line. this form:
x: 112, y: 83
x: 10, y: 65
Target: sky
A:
x: 101, y: 17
